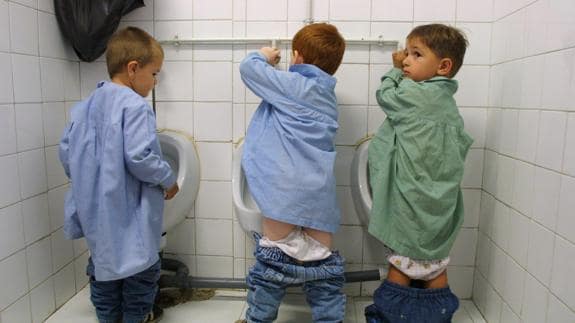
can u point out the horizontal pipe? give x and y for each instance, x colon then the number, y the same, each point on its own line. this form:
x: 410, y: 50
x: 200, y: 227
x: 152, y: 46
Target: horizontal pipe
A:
x: 240, y: 41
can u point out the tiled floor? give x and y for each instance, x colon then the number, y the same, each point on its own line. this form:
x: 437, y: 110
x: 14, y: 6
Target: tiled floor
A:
x: 228, y: 306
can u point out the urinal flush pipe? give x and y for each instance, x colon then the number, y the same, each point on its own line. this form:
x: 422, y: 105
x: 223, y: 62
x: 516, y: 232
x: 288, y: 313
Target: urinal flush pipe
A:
x: 182, y: 279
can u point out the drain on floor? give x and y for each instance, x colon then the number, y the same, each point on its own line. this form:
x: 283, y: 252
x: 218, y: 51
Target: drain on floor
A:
x: 169, y: 297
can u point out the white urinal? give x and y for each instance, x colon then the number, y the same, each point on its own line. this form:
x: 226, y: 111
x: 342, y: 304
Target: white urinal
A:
x: 360, y: 188
x: 179, y: 151
x: 247, y: 211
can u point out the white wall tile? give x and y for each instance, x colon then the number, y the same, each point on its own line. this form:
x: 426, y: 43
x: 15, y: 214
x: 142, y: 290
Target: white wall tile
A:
x: 560, y: 24
x: 173, y: 10
x: 39, y: 259
x: 535, y: 299
x: 514, y: 285
x: 32, y: 169
x: 546, y: 197
x: 478, y: 34
x: 569, y: 153
x: 500, y: 230
x: 558, y: 312
x: 6, y: 85
x: 466, y: 240
x: 563, y: 266
x: 518, y: 237
x: 52, y: 74
x: 345, y: 201
x: 536, y: 16
x: 566, y: 217
x: 176, y: 81
x: 54, y: 119
x: 51, y: 40
x: 213, y: 121
x: 550, y: 143
x: 352, y: 84
x: 531, y: 88
x: 470, y: 10
x: 7, y: 130
x: 26, y: 73
x: 214, y: 200
x: 505, y: 178
x: 540, y: 254
x: 29, y: 126
x: 471, y: 203
x: 217, y: 267
x: 348, y: 240
x: 461, y: 281
x: 4, y: 27
x: 434, y: 10
x: 42, y: 301
x: 397, y: 31
x: 493, y: 304
x: 507, y: 314
x: 375, y: 118
x: 343, y: 164
x: 395, y: 10
x: 182, y: 238
x: 557, y: 80
x: 35, y: 218
x: 352, y: 125
x: 218, y: 9
x: 176, y: 115
x: 23, y: 29
x: 509, y: 124
x: 375, y: 74
x: 14, y: 283
x: 62, y: 250
x: 64, y: 285
x: 71, y: 80
x: 261, y: 10
x: 92, y: 73
x: 11, y: 230
x: 214, y: 237
x: 523, y: 194
x: 216, y: 160
x: 355, y: 53
x: 473, y: 85
x: 473, y: 169
x: 527, y: 134
x: 56, y: 206
x: 80, y: 264
x: 515, y: 35
x: 10, y: 184
x: 490, y: 172
x: 347, y: 10
x: 18, y: 312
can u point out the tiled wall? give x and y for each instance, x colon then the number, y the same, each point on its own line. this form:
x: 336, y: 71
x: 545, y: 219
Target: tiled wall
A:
x: 200, y: 92
x: 39, y: 78
x: 526, y: 251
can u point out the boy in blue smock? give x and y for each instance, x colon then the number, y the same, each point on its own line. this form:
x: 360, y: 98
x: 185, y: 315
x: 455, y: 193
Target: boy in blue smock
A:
x: 119, y: 181
x: 288, y: 159
x: 416, y: 163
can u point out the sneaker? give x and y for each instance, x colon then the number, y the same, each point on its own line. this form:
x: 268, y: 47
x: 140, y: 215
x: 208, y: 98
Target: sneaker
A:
x: 155, y: 315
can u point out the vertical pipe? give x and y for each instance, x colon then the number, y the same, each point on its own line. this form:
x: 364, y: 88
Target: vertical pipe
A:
x: 309, y: 19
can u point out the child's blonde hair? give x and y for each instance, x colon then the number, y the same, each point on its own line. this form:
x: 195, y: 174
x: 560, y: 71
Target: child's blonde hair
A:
x: 131, y: 44
x: 444, y: 41
x: 320, y: 44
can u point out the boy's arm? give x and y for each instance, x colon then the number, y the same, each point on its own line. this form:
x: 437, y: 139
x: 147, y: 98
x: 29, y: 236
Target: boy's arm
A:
x: 389, y: 94
x: 141, y: 155
x: 266, y: 82
x: 64, y: 148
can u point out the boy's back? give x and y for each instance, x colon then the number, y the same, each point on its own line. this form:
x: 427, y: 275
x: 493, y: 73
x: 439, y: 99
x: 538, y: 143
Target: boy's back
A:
x: 110, y: 140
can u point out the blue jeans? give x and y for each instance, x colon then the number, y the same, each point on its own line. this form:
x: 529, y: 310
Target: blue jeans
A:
x: 129, y: 299
x: 395, y: 303
x: 272, y: 273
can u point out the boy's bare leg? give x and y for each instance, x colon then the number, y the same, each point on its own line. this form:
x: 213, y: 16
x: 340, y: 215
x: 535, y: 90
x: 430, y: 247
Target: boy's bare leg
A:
x: 395, y: 276
x: 438, y: 282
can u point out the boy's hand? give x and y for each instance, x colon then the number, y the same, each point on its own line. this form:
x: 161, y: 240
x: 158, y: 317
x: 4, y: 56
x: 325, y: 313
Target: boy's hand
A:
x: 272, y: 55
x: 398, y: 58
x: 171, y: 192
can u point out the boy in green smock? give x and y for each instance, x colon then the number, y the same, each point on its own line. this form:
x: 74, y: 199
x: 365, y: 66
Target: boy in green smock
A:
x: 416, y: 163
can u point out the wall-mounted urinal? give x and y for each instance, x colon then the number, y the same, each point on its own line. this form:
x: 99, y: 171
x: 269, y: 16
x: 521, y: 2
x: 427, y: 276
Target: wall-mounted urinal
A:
x: 247, y: 211
x: 179, y: 151
x: 360, y: 188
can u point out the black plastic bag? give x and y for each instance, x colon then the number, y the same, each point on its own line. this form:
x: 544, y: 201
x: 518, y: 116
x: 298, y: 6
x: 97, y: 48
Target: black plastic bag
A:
x: 88, y: 24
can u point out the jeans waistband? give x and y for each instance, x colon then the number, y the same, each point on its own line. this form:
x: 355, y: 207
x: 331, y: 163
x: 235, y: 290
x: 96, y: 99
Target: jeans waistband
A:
x: 417, y: 292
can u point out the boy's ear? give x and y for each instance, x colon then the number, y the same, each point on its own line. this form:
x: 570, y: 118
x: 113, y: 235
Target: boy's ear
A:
x: 131, y: 67
x: 297, y: 58
x: 444, y: 68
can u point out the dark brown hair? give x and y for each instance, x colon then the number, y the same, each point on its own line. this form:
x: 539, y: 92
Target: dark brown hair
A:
x: 131, y: 44
x: 444, y: 41
x: 320, y: 44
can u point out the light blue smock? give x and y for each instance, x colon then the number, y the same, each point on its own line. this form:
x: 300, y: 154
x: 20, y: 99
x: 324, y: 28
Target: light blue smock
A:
x: 111, y: 153
x: 289, y: 151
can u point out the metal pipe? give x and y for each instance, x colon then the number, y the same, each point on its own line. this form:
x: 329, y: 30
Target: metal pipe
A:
x: 242, y: 41
x: 181, y: 279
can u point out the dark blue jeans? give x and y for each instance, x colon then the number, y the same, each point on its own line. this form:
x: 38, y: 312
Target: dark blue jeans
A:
x: 395, y: 303
x: 272, y: 273
x: 129, y: 299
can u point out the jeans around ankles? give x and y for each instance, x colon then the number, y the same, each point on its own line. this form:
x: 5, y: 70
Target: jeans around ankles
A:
x: 322, y: 282
x: 395, y: 303
x: 129, y: 299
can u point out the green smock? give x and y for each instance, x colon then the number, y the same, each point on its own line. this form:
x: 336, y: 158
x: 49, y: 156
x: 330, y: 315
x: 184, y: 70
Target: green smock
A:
x: 416, y: 163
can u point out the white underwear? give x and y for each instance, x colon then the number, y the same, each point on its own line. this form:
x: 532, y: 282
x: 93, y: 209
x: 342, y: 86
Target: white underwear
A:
x: 298, y: 245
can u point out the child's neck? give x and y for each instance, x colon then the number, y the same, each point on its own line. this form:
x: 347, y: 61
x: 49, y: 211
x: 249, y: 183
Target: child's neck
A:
x: 121, y: 79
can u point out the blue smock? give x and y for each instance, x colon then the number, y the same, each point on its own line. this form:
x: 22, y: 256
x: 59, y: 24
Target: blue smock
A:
x: 289, y: 151
x: 111, y: 153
